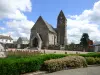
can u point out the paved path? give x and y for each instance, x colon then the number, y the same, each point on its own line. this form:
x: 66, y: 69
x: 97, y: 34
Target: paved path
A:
x: 94, y: 70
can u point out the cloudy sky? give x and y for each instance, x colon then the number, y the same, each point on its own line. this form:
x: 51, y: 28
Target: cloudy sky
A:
x: 18, y: 16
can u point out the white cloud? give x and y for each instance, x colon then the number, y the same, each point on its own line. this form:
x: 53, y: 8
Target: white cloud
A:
x: 2, y: 28
x: 87, y: 22
x: 17, y: 24
x: 20, y: 27
x: 13, y: 8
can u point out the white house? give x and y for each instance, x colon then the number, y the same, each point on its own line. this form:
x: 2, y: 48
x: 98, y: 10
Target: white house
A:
x: 6, y: 39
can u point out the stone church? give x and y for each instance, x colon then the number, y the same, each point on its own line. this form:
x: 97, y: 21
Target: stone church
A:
x: 44, y: 35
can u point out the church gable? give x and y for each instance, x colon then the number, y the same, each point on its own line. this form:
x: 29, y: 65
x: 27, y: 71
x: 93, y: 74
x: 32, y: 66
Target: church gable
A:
x: 42, y: 24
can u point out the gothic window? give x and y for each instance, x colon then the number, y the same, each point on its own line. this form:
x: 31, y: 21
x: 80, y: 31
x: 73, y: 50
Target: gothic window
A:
x: 55, y: 39
x: 52, y: 39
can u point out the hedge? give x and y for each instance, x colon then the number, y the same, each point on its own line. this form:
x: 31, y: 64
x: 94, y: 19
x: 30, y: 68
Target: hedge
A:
x: 63, y: 63
x: 16, y: 67
x: 90, y: 55
x: 13, y: 66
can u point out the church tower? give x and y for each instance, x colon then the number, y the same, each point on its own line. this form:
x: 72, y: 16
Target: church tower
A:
x: 61, y: 29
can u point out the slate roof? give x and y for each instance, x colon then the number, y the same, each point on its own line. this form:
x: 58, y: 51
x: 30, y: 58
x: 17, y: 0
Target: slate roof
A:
x: 50, y: 27
x: 5, y: 37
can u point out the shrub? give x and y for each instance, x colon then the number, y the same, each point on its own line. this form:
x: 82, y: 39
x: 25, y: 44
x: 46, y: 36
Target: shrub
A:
x: 90, y: 60
x: 16, y: 67
x: 13, y: 66
x: 97, y: 60
x: 66, y: 62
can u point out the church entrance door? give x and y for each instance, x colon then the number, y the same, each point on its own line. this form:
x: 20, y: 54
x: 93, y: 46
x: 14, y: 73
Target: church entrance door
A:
x: 35, y: 42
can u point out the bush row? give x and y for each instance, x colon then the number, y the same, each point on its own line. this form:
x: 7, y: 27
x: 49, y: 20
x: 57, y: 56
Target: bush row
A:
x: 92, y: 60
x: 13, y: 66
x: 18, y: 65
x: 63, y: 63
x: 90, y: 55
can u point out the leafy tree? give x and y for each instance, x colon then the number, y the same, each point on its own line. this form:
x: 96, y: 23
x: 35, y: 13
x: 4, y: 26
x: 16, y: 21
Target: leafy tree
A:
x: 84, y: 40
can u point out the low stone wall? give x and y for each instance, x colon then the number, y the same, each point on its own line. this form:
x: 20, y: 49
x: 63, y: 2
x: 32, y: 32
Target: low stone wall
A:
x: 52, y: 47
x: 62, y: 52
x: 50, y: 51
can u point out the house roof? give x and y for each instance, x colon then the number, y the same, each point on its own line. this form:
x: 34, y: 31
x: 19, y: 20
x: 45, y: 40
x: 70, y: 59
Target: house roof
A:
x: 5, y: 37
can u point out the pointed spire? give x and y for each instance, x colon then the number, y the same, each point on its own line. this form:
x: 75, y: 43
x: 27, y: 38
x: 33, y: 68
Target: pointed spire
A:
x: 61, y: 14
x: 61, y: 11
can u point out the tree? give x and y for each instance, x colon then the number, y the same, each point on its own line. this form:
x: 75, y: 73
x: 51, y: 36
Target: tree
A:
x: 84, y: 41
